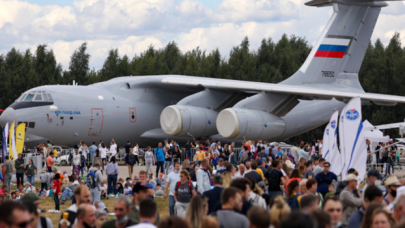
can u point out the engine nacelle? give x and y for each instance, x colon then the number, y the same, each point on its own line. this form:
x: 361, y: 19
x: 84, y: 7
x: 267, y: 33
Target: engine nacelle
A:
x: 238, y: 123
x: 184, y: 120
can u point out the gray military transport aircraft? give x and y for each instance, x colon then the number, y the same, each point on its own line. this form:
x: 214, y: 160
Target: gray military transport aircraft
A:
x: 147, y: 109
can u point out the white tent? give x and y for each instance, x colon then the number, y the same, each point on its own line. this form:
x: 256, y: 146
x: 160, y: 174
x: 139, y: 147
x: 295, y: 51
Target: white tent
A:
x: 372, y: 134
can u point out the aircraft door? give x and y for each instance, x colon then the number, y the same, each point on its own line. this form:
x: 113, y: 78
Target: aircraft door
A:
x: 96, y: 122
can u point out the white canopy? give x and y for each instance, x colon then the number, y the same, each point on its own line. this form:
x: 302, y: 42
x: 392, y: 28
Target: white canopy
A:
x: 374, y: 135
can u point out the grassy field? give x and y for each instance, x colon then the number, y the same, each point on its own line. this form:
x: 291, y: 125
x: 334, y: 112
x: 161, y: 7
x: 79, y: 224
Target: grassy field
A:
x: 48, y: 203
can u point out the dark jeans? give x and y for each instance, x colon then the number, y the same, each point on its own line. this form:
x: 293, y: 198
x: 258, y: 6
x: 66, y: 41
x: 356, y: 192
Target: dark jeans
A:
x: 44, y: 186
x: 161, y: 165
x: 56, y: 199
x: 20, y: 178
x: 112, y: 184
x: 49, y: 169
x: 172, y: 202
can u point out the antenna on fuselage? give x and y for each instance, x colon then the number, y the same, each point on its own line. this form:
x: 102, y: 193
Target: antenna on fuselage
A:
x: 74, y: 83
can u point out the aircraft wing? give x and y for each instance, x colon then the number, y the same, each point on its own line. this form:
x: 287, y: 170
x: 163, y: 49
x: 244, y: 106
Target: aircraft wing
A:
x: 306, y: 92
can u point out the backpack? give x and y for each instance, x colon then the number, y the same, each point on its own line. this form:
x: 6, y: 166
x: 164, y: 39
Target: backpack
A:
x: 91, y: 179
x: 70, y: 158
x: 82, y: 161
x: 273, y: 179
x: 189, y: 185
x: 293, y: 202
x: 131, y: 159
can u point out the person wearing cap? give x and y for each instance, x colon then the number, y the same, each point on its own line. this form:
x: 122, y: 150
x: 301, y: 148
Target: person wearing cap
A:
x: 391, y: 184
x: 68, y: 191
x: 28, y: 187
x: 342, y: 184
x: 350, y: 202
x: 249, y: 158
x: 140, y: 193
x: 214, y: 195
x: 262, y: 165
x: 372, y: 176
x: 19, y: 169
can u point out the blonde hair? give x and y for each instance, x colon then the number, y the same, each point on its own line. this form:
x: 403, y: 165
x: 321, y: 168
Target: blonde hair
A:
x: 186, y: 164
x: 195, y: 213
x: 227, y: 179
x: 209, y: 222
x: 279, y: 209
x: 249, y: 142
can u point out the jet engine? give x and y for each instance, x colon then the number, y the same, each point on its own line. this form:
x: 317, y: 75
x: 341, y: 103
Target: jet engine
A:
x: 185, y: 120
x: 238, y: 123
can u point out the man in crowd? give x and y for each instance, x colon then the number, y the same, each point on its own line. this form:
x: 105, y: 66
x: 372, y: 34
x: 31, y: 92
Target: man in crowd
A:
x: 371, y: 195
x: 214, y: 195
x: 295, y: 152
x: 319, y: 168
x: 399, y: 206
x: 86, y: 216
x: 69, y: 192
x: 253, y: 173
x: 258, y: 218
x: 228, y: 217
x: 92, y: 150
x: 14, y: 214
x: 172, y: 180
x: 241, y: 173
x: 391, y: 185
x: 148, y: 214
x: 334, y: 208
x: 308, y: 203
x: 8, y: 173
x: 122, y: 208
x: 275, y: 178
x: 372, y: 176
x: 140, y: 193
x: 159, y: 159
x: 262, y: 166
x: 220, y: 165
x: 349, y: 200
x: 243, y: 185
x: 95, y: 186
x: 144, y: 181
x: 203, y: 177
x: 324, y: 179
x: 20, y: 169
x: 37, y: 221
x: 82, y: 196
x: 308, y: 172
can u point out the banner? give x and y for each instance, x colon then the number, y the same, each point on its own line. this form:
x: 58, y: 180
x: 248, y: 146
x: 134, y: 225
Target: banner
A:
x: 5, y: 136
x: 325, y: 145
x: 354, y: 143
x: 19, y: 139
x: 12, y: 151
x: 341, y: 140
x: 334, y: 154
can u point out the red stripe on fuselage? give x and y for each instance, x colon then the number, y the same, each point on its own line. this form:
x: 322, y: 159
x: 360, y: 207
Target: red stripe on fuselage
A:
x: 329, y: 54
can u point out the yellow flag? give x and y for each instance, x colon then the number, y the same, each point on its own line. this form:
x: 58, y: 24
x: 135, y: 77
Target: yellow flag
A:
x: 19, y: 137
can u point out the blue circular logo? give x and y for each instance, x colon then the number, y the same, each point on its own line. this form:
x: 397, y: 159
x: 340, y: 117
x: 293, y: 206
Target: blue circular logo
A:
x: 352, y: 114
x: 209, y: 121
x: 265, y: 125
x: 327, y: 131
x: 333, y: 124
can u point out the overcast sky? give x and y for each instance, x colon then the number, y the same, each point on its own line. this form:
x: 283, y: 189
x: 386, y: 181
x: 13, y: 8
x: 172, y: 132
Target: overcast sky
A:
x: 133, y: 25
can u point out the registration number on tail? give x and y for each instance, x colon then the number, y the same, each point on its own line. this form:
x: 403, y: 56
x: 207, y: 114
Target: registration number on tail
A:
x: 328, y: 74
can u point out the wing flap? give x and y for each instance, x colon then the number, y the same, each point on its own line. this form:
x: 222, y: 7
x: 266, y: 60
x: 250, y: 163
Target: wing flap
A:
x: 306, y: 91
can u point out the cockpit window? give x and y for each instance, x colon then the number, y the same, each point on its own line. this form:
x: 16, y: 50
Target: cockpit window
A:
x: 50, y: 97
x: 38, y: 97
x: 29, y: 97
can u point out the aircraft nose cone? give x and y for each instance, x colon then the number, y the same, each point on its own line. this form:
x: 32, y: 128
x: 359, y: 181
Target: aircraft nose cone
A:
x: 7, y: 116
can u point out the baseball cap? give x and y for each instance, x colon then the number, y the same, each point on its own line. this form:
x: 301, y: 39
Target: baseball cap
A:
x: 250, y: 154
x: 30, y: 197
x: 54, y: 168
x: 76, y: 182
x: 260, y: 162
x: 374, y: 173
x: 27, y: 183
x: 138, y: 188
x: 351, y: 177
x: 392, y: 180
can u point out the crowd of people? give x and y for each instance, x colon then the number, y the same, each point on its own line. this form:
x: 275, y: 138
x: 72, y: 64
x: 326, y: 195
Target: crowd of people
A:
x: 209, y: 186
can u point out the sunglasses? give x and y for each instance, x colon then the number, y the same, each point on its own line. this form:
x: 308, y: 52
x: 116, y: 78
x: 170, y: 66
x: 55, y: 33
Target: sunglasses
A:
x: 326, y: 166
x: 24, y: 224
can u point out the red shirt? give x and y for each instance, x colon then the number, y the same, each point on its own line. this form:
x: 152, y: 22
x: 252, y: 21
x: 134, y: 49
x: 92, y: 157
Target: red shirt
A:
x: 49, y: 161
x: 56, y: 186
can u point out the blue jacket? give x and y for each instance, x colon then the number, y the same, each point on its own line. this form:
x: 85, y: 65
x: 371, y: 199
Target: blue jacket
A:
x: 215, y: 161
x: 214, y: 198
x: 160, y: 155
x: 324, y: 181
x: 356, y: 219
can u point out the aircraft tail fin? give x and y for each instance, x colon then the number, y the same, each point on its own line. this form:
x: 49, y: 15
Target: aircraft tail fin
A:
x: 338, y: 53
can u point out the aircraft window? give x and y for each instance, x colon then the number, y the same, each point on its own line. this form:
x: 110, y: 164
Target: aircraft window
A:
x: 50, y: 97
x: 31, y: 124
x: 29, y: 97
x: 61, y: 117
x: 20, y: 98
x: 38, y: 97
x: 44, y: 97
x: 71, y: 118
x: 23, y: 96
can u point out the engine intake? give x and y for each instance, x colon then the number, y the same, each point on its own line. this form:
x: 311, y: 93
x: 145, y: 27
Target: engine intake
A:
x: 238, y: 123
x: 184, y: 120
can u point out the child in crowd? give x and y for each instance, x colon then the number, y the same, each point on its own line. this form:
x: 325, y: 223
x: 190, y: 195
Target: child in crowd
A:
x: 331, y: 190
x: 215, y: 160
x: 127, y: 189
x: 56, y: 190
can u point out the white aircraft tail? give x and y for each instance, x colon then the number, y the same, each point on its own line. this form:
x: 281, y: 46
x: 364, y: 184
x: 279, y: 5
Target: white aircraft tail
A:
x: 338, y: 53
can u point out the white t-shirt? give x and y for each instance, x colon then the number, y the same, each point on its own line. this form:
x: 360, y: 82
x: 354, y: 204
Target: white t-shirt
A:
x: 84, y: 151
x: 172, y: 179
x: 76, y: 159
x: 135, y: 151
x: 113, y: 149
x: 103, y: 152
x: 104, y: 187
x: 143, y: 225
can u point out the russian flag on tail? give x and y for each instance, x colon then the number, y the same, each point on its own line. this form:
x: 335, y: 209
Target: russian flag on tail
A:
x: 332, y: 48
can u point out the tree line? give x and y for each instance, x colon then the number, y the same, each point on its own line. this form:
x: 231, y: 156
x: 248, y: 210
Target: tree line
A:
x: 382, y: 71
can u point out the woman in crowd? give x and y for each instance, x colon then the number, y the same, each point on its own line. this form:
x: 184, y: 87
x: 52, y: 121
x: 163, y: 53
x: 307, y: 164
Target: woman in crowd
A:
x: 368, y: 215
x: 197, y: 211
x: 278, y: 211
x: 173, y: 222
x: 112, y: 173
x: 186, y: 165
x: 113, y: 148
x: 255, y: 195
x: 103, y: 152
x: 193, y: 173
x: 149, y: 160
x: 312, y: 186
x: 55, y: 191
x: 199, y: 156
x: 84, y: 149
x: 101, y: 217
x: 292, y: 194
x: 381, y: 219
x: 295, y: 175
x: 135, y: 151
x: 31, y: 171
x: 183, y: 193
x: 120, y: 188
x: 97, y: 158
